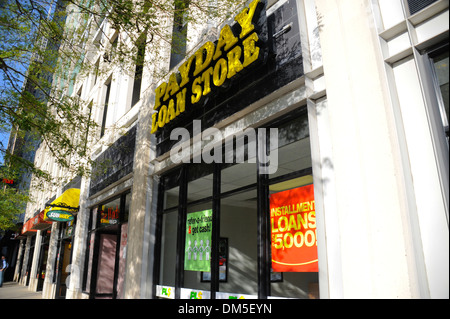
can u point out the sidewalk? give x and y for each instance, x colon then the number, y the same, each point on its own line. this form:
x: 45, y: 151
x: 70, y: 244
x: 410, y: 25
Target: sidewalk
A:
x: 12, y: 290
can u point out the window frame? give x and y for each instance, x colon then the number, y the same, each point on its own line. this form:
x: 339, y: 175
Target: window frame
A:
x: 434, y: 110
x: 432, y: 54
x: 105, y: 107
x: 263, y: 181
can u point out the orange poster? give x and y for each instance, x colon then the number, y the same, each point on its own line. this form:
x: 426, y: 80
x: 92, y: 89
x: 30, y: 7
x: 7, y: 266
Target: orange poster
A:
x: 293, y: 225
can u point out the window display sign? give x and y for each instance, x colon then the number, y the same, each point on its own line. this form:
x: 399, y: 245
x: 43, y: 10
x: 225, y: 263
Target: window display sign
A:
x: 198, y: 241
x: 109, y: 215
x: 293, y: 225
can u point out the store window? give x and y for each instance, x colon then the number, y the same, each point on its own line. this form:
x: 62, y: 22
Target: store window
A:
x: 168, y: 223
x: 294, y: 270
x: 215, y: 230
x: 198, y: 240
x: 238, y: 264
x: 417, y: 5
x: 106, y: 249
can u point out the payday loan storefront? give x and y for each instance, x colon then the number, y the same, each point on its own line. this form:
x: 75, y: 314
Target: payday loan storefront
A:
x: 236, y: 211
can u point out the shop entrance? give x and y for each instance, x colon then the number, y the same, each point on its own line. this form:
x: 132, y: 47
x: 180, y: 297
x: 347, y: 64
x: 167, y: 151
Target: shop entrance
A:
x: 64, y: 258
x: 103, y: 261
x: 106, y: 250
x: 104, y: 286
x: 63, y: 268
x: 215, y: 233
x: 42, y: 264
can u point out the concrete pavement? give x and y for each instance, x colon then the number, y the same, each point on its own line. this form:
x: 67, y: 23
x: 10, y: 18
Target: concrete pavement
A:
x: 12, y: 290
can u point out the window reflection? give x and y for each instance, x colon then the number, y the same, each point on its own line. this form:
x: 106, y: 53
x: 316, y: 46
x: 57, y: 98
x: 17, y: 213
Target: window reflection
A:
x: 441, y: 67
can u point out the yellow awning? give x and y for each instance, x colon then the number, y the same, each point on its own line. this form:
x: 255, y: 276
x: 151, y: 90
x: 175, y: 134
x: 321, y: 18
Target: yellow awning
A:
x: 69, y: 202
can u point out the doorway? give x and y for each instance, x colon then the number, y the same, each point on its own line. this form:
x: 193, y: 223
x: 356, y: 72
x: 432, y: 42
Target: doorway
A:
x: 104, y: 287
x: 106, y: 249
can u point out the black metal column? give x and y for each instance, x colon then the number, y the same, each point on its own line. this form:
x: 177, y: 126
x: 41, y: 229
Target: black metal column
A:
x: 262, y: 215
x: 181, y: 236
x: 215, y: 232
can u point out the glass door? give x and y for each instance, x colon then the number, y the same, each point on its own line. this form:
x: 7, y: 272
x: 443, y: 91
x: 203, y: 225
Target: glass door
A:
x: 106, y: 266
x: 106, y: 249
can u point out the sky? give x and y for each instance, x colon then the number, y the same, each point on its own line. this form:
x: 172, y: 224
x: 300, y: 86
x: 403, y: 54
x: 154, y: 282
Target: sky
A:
x: 4, y: 137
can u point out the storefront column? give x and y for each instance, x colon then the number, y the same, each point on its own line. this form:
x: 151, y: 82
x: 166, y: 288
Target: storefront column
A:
x: 370, y: 209
x: 328, y: 242
x: 74, y: 288
x: 48, y: 291
x: 19, y: 262
x: 135, y: 272
x: 23, y: 270
x: 34, y: 266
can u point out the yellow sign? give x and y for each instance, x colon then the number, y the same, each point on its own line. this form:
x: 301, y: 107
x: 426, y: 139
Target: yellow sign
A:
x: 65, y: 204
x: 211, y: 66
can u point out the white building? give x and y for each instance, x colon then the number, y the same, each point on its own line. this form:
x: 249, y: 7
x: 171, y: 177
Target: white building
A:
x: 358, y: 90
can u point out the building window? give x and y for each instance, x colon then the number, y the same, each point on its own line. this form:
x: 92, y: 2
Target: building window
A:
x: 417, y: 5
x: 114, y: 45
x: 105, y: 109
x: 179, y: 33
x: 64, y: 251
x: 96, y: 72
x: 215, y: 231
x: 440, y: 61
x: 140, y: 56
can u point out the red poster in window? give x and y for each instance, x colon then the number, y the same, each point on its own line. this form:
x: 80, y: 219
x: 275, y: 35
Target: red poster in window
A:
x: 293, y: 225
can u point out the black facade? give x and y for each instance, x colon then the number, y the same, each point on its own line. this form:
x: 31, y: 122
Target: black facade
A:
x: 114, y: 163
x: 280, y: 63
